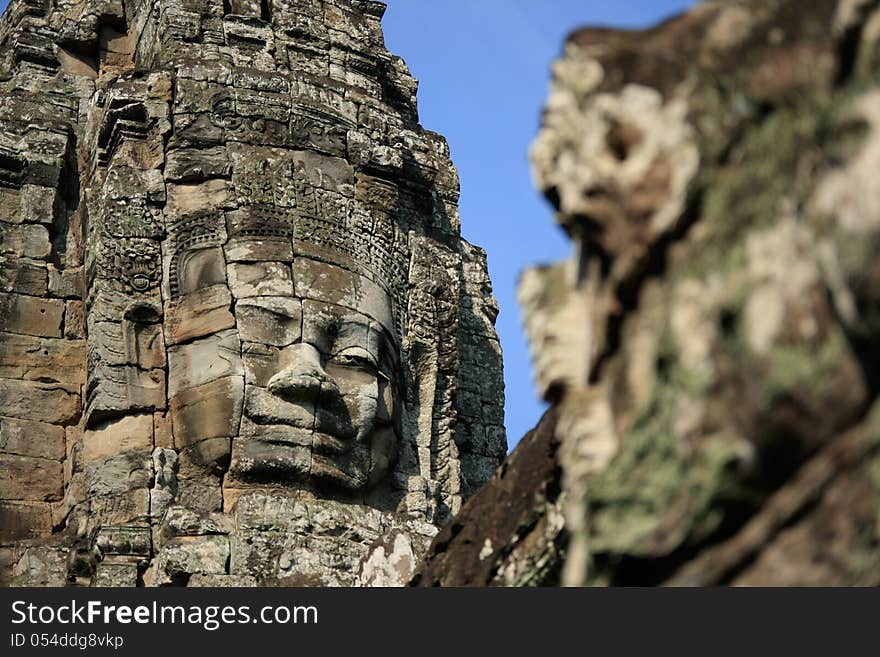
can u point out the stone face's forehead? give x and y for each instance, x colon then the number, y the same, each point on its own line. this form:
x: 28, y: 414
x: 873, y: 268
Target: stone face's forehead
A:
x: 231, y: 259
x: 334, y: 285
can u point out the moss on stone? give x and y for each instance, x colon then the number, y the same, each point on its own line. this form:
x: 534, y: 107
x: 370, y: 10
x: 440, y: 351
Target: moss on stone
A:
x: 657, y: 495
x: 858, y: 252
x: 797, y: 367
x: 775, y: 162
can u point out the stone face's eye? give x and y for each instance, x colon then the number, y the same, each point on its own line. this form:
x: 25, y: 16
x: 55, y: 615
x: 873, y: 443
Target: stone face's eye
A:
x: 355, y: 358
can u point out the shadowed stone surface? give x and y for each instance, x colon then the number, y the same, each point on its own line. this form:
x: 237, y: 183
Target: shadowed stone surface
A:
x: 242, y: 341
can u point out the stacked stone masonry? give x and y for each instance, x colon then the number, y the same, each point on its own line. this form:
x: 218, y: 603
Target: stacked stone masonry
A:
x: 242, y: 341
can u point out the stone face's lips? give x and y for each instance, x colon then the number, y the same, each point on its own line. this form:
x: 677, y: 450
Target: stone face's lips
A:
x: 289, y: 436
x: 306, y: 421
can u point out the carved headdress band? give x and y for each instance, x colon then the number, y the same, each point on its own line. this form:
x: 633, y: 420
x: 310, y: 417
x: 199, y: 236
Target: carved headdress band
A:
x: 353, y: 226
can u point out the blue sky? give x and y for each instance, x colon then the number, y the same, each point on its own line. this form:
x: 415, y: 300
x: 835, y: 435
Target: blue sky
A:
x: 484, y: 71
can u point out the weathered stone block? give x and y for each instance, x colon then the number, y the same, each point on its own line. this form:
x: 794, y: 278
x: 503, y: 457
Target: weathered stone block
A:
x: 23, y: 276
x: 117, y: 508
x: 115, y: 575
x: 164, y: 490
x: 24, y: 478
x: 39, y: 204
x: 245, y: 7
x: 31, y: 315
x: 192, y: 129
x: 25, y: 241
x: 132, y: 540
x: 117, y: 476
x: 128, y: 434
x: 74, y: 320
x: 183, y: 557
x: 274, y: 321
x: 391, y: 562
x: 123, y: 390
x: 163, y: 437
x: 334, y: 285
x: 7, y: 561
x: 10, y: 205
x: 184, y: 521
x: 35, y: 439
x: 197, y: 314
x: 261, y: 363
x: 263, y: 406
x: 183, y: 199
x: 66, y: 283
x: 202, y: 361
x: 202, y: 493
x: 42, y: 566
x: 54, y: 403
x: 353, y: 329
x: 70, y: 510
x: 42, y: 359
x: 107, y: 304
x: 24, y: 520
x: 477, y: 469
x: 254, y: 459
x: 212, y: 410
x: 255, y: 555
x: 250, y: 249
x: 222, y: 581
x: 194, y: 165
x: 117, y: 343
x: 207, y: 457
x: 260, y: 279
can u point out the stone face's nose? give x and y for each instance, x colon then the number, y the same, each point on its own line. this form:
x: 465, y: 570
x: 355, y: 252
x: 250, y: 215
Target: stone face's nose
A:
x: 303, y: 376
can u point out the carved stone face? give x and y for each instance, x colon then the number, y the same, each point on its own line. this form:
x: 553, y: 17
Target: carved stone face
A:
x: 320, y: 367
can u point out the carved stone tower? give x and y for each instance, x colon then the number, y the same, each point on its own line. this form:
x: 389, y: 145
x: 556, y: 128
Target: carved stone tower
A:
x: 241, y: 338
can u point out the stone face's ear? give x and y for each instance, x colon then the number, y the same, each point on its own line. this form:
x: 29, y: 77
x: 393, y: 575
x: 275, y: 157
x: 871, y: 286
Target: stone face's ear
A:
x: 200, y: 269
x: 433, y: 359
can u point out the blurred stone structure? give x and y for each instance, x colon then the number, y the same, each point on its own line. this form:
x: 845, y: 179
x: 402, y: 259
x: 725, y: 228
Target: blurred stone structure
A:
x: 243, y: 341
x: 712, y: 353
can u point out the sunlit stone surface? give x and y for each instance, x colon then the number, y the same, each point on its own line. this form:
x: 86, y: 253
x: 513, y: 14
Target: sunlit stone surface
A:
x: 243, y: 341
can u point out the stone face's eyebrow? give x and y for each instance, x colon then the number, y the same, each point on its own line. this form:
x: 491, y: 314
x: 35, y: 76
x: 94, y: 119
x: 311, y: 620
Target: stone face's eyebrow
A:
x: 357, y: 330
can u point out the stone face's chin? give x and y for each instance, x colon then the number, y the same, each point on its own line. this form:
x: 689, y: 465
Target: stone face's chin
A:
x: 274, y: 458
